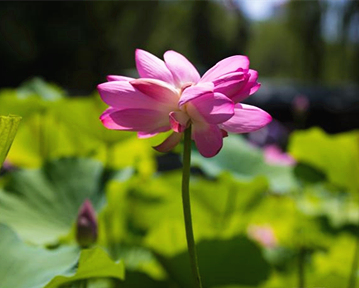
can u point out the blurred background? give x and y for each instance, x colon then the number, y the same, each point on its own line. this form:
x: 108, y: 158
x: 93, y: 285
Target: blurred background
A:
x: 300, y: 48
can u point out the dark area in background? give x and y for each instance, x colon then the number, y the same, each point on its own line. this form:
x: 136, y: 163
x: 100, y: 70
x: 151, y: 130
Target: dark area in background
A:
x: 76, y: 44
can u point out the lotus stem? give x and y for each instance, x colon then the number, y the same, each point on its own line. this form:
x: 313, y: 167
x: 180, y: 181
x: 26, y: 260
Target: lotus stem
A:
x: 187, y: 207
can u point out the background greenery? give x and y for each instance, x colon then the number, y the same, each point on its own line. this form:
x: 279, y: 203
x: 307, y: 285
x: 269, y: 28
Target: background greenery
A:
x: 256, y: 223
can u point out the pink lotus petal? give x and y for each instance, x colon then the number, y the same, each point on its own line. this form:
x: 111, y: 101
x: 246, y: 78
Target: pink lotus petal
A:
x: 228, y: 65
x: 193, y: 92
x: 212, y: 108
x: 208, y: 139
x: 118, y: 78
x: 179, y: 121
x: 254, y: 88
x: 182, y: 70
x: 171, y: 95
x: 149, y: 66
x: 158, y: 90
x: 170, y: 143
x: 250, y: 88
x: 231, y: 83
x: 108, y: 121
x: 149, y: 134
x: 142, y: 120
x: 246, y: 119
x: 122, y: 95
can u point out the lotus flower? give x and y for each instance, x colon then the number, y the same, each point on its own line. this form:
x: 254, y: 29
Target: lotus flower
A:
x: 171, y: 95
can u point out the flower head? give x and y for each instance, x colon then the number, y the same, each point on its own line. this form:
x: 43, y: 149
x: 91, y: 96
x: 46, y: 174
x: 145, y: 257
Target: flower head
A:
x: 171, y: 95
x: 86, y: 226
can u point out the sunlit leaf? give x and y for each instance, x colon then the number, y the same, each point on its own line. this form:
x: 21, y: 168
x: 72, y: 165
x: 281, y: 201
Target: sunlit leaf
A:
x: 43, y: 137
x: 331, y: 268
x: 13, y: 103
x: 81, y: 115
x: 8, y: 128
x: 336, y: 155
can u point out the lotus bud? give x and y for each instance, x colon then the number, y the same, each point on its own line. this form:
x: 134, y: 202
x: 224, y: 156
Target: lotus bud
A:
x: 86, y: 226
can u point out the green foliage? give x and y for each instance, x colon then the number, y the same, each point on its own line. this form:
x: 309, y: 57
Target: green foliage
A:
x: 336, y: 155
x: 221, y: 262
x: 24, y: 266
x: 41, y: 205
x: 245, y: 162
x: 93, y: 263
x: 250, y: 217
x: 8, y: 128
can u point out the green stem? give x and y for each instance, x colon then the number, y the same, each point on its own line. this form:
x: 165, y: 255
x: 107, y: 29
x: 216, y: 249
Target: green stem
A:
x: 187, y: 206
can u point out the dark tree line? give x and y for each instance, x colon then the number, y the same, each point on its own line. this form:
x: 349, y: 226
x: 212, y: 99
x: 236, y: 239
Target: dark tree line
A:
x: 77, y: 43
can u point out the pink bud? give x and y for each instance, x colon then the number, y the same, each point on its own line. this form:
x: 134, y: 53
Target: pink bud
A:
x: 86, y: 226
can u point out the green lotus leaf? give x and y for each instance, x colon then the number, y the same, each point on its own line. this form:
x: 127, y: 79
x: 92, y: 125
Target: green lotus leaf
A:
x: 336, y: 155
x: 8, y: 128
x: 115, y: 234
x: 214, y: 203
x: 331, y: 267
x: 245, y: 162
x: 42, y: 137
x: 12, y: 102
x: 236, y: 261
x: 24, y: 266
x: 41, y: 205
x: 70, y: 127
x: 81, y: 117
x: 38, y: 87
x: 93, y: 263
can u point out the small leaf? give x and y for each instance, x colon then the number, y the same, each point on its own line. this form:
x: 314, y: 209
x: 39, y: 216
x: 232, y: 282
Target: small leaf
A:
x: 93, y: 263
x: 8, y: 128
